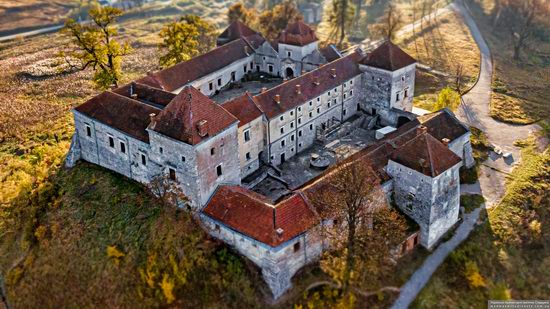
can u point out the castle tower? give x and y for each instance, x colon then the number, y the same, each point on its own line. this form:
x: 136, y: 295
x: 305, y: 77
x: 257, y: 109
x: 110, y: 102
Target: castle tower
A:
x: 389, y: 75
x: 426, y: 184
x: 295, y: 42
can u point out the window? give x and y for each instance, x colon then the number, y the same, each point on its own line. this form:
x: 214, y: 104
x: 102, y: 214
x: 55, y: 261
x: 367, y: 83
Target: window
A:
x: 270, y: 68
x: 291, y: 113
x: 351, y: 82
x: 310, y: 103
x: 247, y: 156
x: 233, y: 76
x: 251, y: 65
x: 292, y: 149
x: 297, y: 247
x: 244, y: 68
x: 403, y: 78
x: 246, y: 135
x: 344, y: 112
x: 329, y: 93
x: 300, y: 145
x: 219, y: 170
x: 406, y: 93
x: 210, y: 86
x: 300, y: 133
x: 350, y: 93
x: 219, y: 81
x: 257, y: 68
x: 282, y: 130
x: 172, y: 173
x: 335, y: 101
x: 217, y: 227
x: 289, y: 54
x: 212, y: 151
x: 299, y: 109
x: 300, y: 120
x: 143, y: 160
x: 122, y: 147
x: 292, y: 138
x: 88, y: 131
x: 282, y: 118
x: 310, y: 114
x: 328, y: 104
x: 311, y: 127
x: 318, y: 110
x: 397, y: 97
x: 335, y: 89
x: 292, y: 124
x: 345, y: 96
x: 182, y: 159
x: 161, y: 150
x: 111, y: 142
x: 318, y: 99
x: 283, y: 143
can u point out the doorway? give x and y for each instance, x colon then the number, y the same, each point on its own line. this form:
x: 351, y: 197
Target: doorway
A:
x: 289, y: 73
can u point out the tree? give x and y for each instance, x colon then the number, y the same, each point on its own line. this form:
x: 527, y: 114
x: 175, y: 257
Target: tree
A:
x: 272, y: 22
x: 447, y: 98
x: 389, y: 23
x: 458, y: 77
x: 340, y: 19
x: 167, y: 192
x: 522, y: 17
x: 185, y: 38
x: 363, y: 234
x: 239, y: 11
x: 96, y: 46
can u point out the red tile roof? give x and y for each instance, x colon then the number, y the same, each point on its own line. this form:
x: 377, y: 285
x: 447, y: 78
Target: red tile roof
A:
x: 251, y: 214
x: 330, y: 53
x: 121, y: 113
x: 181, y: 74
x: 425, y: 154
x: 181, y: 118
x: 297, y: 33
x: 234, y: 31
x: 243, y: 108
x: 388, y: 56
x: 345, y: 69
x: 146, y: 94
x: 443, y: 124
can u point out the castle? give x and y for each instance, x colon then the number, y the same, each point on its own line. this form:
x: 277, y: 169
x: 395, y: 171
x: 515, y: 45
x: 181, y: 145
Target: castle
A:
x: 250, y: 163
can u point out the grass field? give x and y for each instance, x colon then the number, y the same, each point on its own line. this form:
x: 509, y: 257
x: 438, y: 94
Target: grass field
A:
x: 508, y: 255
x: 439, y: 45
x: 520, y: 88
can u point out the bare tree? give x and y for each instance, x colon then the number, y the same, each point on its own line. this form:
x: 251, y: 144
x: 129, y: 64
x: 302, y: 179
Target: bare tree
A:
x: 168, y: 192
x: 522, y: 17
x: 458, y: 78
x: 389, y: 23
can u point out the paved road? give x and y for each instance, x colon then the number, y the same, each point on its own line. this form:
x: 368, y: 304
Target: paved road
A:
x: 475, y: 111
x: 31, y: 33
x: 422, y: 275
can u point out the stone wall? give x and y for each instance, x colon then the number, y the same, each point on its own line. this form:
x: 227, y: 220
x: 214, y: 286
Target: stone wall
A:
x: 279, y: 263
x: 249, y: 151
x: 433, y: 203
x: 463, y: 148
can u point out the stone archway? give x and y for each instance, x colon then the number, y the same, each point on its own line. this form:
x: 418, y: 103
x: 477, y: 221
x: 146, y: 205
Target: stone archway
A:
x: 401, y: 120
x: 289, y: 73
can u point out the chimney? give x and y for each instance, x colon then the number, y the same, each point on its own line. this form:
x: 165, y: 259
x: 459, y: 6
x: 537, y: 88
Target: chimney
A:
x: 316, y: 81
x: 264, y: 89
x: 446, y: 141
x: 277, y: 99
x: 298, y: 89
x: 333, y: 73
x: 280, y: 232
x: 152, y: 116
x: 202, y: 127
x: 422, y: 129
x: 246, y: 50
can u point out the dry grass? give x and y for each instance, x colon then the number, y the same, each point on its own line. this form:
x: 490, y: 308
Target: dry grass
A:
x: 30, y: 13
x: 520, y: 87
x: 439, y: 45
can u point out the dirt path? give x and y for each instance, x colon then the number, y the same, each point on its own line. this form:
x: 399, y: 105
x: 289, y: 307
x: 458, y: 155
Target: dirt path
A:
x: 475, y: 111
